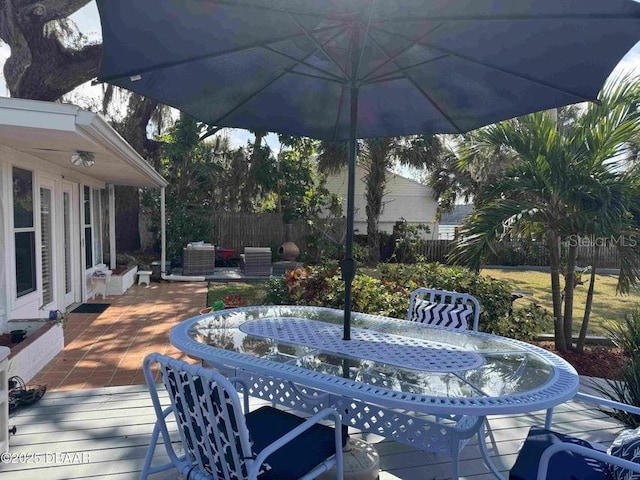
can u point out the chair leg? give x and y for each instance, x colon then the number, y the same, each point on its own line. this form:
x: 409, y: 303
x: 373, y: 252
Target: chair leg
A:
x: 455, y: 463
x: 485, y: 453
x: 147, y: 469
x: 150, y: 451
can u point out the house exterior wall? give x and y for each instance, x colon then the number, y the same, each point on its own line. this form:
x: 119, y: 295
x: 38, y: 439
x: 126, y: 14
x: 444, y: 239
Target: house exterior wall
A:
x: 57, y: 179
x: 403, y: 198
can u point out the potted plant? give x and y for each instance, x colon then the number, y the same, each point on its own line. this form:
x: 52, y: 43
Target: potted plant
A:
x: 233, y: 301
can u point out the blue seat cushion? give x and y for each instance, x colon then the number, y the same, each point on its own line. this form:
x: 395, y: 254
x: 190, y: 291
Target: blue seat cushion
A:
x: 299, y: 456
x: 563, y: 465
x: 627, y: 447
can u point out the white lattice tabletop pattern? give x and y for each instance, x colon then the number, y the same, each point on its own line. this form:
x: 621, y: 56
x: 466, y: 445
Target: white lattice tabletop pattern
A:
x: 366, y: 344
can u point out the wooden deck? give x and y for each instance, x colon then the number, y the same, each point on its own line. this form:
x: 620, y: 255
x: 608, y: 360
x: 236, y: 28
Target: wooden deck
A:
x: 103, y: 433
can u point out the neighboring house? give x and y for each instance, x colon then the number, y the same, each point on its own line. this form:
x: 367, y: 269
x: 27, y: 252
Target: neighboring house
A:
x: 450, y: 222
x: 58, y: 166
x: 403, y: 198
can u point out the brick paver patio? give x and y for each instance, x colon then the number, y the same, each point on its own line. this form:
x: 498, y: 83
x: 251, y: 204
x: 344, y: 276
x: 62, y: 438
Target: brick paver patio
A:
x: 107, y: 349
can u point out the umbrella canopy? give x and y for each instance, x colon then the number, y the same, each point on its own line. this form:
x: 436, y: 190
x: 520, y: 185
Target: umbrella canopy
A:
x: 339, y: 70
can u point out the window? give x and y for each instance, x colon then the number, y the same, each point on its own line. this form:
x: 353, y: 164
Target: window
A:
x: 88, y: 231
x: 97, y: 226
x: 24, y: 231
x: 46, y: 241
x: 66, y: 198
x: 92, y: 227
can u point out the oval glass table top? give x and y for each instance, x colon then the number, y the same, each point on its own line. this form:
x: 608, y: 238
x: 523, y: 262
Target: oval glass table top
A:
x: 408, y: 363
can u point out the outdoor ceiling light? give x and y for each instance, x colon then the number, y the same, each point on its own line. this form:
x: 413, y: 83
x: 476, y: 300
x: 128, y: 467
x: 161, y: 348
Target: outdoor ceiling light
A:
x: 83, y: 159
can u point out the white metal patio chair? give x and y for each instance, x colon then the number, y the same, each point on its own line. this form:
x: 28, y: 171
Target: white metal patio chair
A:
x: 444, y: 309
x: 222, y: 442
x: 549, y: 455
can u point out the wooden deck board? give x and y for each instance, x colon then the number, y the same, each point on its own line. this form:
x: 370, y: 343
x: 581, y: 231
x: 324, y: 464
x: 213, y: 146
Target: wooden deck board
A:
x: 111, y: 427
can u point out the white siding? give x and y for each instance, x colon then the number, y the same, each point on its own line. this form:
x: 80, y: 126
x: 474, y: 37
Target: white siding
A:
x: 29, y: 306
x: 403, y: 198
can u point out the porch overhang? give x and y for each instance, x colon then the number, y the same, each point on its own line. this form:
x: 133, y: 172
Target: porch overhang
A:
x: 56, y: 131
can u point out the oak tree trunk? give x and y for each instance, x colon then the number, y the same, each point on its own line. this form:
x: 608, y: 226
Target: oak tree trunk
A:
x: 134, y: 130
x: 41, y: 66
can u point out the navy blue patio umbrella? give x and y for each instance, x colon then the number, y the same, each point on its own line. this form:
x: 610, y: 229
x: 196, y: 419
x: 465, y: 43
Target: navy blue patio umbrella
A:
x: 339, y: 70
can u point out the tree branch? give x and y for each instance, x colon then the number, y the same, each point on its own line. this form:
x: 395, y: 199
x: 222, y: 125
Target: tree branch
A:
x: 48, y: 10
x: 41, y: 67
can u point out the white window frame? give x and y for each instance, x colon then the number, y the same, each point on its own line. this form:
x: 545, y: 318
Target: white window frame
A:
x: 35, y: 192
x: 95, y: 223
x: 47, y: 183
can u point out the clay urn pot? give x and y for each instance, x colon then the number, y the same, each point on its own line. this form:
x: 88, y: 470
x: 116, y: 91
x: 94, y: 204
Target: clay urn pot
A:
x: 288, y: 251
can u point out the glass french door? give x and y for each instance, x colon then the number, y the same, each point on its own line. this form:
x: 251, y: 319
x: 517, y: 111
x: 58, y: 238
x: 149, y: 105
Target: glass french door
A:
x: 70, y: 242
x: 47, y: 250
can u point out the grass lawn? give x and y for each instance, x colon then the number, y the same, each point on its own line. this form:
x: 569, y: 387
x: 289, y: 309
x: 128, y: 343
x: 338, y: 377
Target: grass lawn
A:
x: 252, y: 293
x: 607, y: 305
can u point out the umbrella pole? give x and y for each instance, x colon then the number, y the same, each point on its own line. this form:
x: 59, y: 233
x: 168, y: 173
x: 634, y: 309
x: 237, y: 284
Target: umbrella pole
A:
x: 348, y: 265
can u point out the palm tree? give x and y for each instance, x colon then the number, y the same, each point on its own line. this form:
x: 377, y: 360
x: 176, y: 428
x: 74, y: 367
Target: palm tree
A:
x: 377, y: 156
x: 565, y: 183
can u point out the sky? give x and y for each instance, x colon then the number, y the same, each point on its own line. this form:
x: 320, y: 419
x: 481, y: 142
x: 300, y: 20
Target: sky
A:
x: 88, y: 22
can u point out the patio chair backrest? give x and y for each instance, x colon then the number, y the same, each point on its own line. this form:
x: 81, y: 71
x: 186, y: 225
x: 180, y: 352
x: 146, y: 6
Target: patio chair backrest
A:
x: 210, y: 419
x: 444, y: 309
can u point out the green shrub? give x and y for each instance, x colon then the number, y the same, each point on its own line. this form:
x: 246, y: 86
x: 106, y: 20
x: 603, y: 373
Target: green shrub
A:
x: 626, y: 390
x: 626, y: 335
x: 405, y: 241
x: 322, y: 286
x: 276, y: 292
x: 388, y: 294
x: 494, y: 295
x: 525, y: 323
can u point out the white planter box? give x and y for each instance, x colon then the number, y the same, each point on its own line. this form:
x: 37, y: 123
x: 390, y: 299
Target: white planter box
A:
x: 27, y: 361
x: 118, y: 284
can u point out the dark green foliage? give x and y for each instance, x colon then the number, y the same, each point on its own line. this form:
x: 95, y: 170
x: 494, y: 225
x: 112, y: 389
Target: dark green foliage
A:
x: 322, y: 286
x: 276, y: 292
x: 525, y: 323
x: 189, y: 166
x: 388, y: 293
x: 405, y: 240
x: 625, y: 335
x: 494, y: 295
x: 186, y: 224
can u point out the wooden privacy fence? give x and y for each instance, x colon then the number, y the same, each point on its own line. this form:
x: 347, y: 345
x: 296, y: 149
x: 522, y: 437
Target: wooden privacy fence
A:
x: 514, y: 253
x: 435, y: 250
x: 239, y: 230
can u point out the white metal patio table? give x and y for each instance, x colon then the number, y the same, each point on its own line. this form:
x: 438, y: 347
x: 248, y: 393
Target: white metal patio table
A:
x: 428, y: 387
